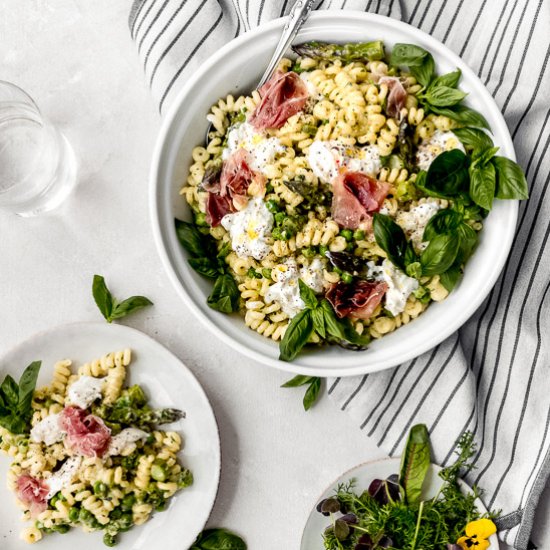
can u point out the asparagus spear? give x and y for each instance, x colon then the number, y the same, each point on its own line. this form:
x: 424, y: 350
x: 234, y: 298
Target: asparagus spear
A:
x: 363, y: 51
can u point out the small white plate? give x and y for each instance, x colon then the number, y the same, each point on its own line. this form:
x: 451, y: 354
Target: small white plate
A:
x: 168, y: 383
x: 312, y: 538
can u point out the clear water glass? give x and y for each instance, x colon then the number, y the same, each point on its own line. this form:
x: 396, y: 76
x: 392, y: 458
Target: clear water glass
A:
x: 37, y: 164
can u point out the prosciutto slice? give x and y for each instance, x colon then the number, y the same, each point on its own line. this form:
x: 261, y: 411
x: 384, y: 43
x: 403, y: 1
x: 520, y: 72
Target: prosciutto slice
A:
x: 357, y: 300
x: 284, y: 95
x: 355, y: 196
x: 397, y: 98
x: 87, y: 434
x: 231, y: 193
x: 32, y: 492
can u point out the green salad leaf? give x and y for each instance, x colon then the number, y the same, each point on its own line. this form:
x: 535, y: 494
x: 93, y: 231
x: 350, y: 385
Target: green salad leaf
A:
x: 391, y: 239
x: 313, y: 384
x: 474, y: 138
x: 483, y: 184
x: 448, y: 174
x: 439, y: 255
x: 510, y: 179
x: 296, y: 335
x: 464, y: 115
x: 16, y: 399
x: 218, y: 539
x: 225, y: 294
x: 415, y: 463
x: 109, y: 306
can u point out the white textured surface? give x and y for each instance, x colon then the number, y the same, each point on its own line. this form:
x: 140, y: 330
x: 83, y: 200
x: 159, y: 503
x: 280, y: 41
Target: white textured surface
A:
x: 77, y: 61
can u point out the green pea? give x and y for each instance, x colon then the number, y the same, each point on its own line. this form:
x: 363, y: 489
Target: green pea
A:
x: 272, y: 206
x: 276, y: 234
x: 84, y: 515
x: 253, y: 274
x: 63, y: 528
x: 158, y: 471
x: 347, y: 277
x: 109, y: 539
x: 266, y: 272
x: 161, y: 506
x: 347, y: 234
x: 126, y: 521
x: 100, y: 489
x: 309, y: 252
x: 286, y: 234
x: 358, y: 234
x: 280, y: 217
x: 54, y: 500
x: 323, y: 250
x: 116, y: 513
x: 309, y: 129
x: 127, y: 502
x: 185, y: 478
x: 350, y: 246
x: 73, y: 514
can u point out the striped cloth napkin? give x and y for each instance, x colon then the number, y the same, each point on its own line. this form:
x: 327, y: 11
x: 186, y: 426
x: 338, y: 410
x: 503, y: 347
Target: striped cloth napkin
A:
x: 492, y: 376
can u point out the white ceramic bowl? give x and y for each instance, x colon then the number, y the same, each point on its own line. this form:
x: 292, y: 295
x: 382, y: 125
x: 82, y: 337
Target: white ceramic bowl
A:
x: 235, y: 69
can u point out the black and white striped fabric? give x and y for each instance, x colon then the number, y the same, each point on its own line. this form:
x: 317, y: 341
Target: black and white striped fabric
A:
x: 493, y: 376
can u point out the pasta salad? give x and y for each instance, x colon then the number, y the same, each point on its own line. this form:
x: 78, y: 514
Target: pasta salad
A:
x: 87, y: 451
x: 338, y: 201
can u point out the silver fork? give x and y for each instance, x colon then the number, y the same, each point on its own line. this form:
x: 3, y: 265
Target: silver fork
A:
x: 296, y: 18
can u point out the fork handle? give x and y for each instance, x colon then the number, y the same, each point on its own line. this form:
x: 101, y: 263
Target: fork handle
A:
x: 296, y: 18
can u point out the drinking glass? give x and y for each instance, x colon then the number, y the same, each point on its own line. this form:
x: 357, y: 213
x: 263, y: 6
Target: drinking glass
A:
x: 37, y: 164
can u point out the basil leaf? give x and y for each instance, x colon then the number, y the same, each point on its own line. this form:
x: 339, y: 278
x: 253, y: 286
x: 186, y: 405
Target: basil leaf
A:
x: 482, y: 156
x: 450, y: 278
x: 10, y: 391
x: 444, y: 221
x: 298, y: 380
x: 27, y: 384
x: 296, y: 336
x: 312, y: 393
x: 14, y: 423
x: 439, y: 255
x: 415, y: 463
x: 129, y: 305
x: 218, y: 539
x: 190, y: 238
x: 448, y: 173
x: 511, y: 182
x: 444, y: 96
x: 307, y: 295
x: 225, y: 294
x: 464, y: 115
x: 318, y: 318
x: 204, y: 267
x: 468, y: 238
x: 473, y: 138
x: 450, y: 79
x: 424, y: 72
x: 103, y: 297
x: 333, y: 326
x: 408, y: 54
x: 391, y: 239
x: 483, y: 185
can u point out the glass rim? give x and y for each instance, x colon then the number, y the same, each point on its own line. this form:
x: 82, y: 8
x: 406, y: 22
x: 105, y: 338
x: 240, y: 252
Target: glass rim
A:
x: 12, y: 85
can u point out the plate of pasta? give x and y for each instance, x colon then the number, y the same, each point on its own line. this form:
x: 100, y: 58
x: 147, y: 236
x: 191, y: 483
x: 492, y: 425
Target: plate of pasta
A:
x: 106, y: 438
x: 348, y: 215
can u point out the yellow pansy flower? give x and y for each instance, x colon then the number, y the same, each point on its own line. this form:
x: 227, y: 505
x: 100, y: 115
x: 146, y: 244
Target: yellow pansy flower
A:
x: 477, y: 533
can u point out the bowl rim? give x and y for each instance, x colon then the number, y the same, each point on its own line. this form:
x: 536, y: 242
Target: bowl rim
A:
x: 360, y: 367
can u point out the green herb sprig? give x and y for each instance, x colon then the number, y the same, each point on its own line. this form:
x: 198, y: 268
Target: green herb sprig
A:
x: 110, y: 307
x: 218, y: 539
x: 209, y: 262
x: 16, y: 399
x: 312, y: 393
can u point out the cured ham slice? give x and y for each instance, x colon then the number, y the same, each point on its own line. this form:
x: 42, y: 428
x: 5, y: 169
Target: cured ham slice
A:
x: 397, y: 98
x: 87, y: 434
x: 231, y: 194
x: 32, y: 492
x: 357, y: 300
x: 355, y: 196
x: 284, y: 95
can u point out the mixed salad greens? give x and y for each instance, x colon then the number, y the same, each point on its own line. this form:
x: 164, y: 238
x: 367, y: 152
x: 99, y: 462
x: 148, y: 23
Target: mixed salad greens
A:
x: 394, y: 513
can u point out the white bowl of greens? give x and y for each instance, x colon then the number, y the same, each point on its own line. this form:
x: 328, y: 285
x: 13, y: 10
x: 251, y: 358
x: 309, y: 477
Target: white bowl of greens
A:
x: 235, y: 69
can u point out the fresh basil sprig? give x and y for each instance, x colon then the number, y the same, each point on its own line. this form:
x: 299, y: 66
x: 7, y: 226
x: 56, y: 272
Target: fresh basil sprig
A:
x: 474, y: 138
x: 415, y: 463
x: 318, y: 316
x: 207, y: 261
x: 419, y: 61
x: 313, y: 388
x: 218, y: 539
x: 110, y: 307
x: 16, y: 399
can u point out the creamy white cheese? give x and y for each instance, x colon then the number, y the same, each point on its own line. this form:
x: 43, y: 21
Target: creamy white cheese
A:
x: 249, y: 229
x: 327, y: 158
x: 286, y: 290
x: 121, y: 441
x: 63, y: 477
x: 312, y: 275
x: 415, y: 220
x: 48, y: 431
x: 312, y: 90
x: 262, y: 149
x: 437, y: 144
x: 400, y: 286
x: 85, y: 391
